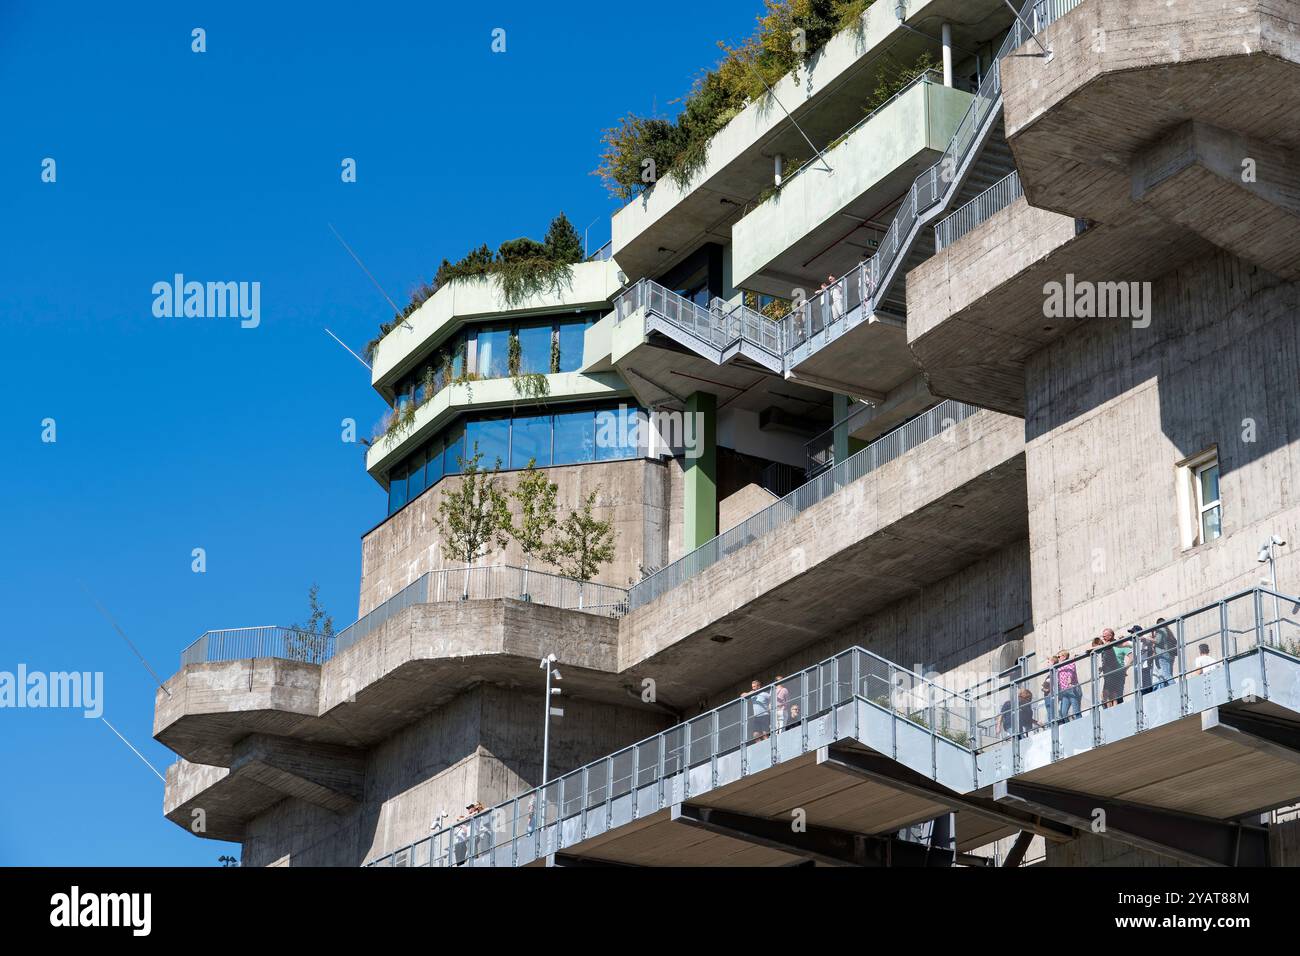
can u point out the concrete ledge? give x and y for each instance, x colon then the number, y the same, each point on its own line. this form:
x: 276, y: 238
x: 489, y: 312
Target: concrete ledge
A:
x: 938, y: 508
x: 417, y: 661
x: 1125, y: 72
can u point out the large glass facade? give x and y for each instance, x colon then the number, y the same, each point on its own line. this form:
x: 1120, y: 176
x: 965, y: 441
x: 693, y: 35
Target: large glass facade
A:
x: 545, y: 346
x: 567, y: 436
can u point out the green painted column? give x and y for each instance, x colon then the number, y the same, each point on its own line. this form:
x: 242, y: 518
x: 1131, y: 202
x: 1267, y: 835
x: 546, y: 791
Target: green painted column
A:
x: 701, y: 512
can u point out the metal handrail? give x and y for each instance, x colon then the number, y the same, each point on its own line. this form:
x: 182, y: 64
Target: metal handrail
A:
x: 451, y: 584
x: 1153, y: 657
x: 757, y: 719
x: 717, y: 324
x: 752, y: 732
x: 979, y: 210
x: 933, y: 189
x: 885, y: 449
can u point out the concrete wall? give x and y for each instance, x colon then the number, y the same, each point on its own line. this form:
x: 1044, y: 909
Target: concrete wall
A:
x: 955, y: 627
x: 484, y: 746
x: 748, y: 501
x: 1112, y: 409
x: 642, y: 498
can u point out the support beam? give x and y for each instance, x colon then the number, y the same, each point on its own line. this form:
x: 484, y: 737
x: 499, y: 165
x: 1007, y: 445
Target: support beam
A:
x: 1249, y: 730
x: 1200, y: 841
x: 1019, y: 849
x: 326, y: 775
x: 701, y: 511
x: 882, y: 770
x: 820, y: 844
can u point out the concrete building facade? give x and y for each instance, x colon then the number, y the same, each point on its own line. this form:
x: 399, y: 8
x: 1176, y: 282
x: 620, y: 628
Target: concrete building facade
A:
x: 992, y: 531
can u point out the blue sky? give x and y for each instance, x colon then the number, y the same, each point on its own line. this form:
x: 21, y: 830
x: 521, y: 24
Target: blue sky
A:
x: 182, y: 433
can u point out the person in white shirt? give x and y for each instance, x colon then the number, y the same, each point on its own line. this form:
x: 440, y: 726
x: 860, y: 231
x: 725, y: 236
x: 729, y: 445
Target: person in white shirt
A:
x: 1203, y: 660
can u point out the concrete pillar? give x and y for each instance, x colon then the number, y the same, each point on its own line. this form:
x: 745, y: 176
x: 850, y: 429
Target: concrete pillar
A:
x: 947, y: 54
x: 700, y: 521
x: 778, y: 162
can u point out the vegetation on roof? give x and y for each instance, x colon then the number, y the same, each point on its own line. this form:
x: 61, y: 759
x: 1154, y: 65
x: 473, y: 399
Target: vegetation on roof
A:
x: 525, y: 267
x: 641, y: 150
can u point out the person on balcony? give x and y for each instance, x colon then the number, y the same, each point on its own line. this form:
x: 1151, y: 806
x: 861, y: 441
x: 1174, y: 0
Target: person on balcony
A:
x: 1111, y: 658
x: 782, y: 703
x: 759, y: 718
x: 1068, y: 692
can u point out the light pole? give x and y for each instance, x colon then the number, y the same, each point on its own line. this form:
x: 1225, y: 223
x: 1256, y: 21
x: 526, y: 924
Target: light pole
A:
x: 1266, y: 556
x: 551, y: 673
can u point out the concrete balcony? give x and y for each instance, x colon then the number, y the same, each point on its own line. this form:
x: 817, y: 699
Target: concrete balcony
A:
x: 660, y: 228
x: 592, y: 285
x: 978, y: 305
x: 1184, y: 112
x: 795, y: 239
x: 932, y: 510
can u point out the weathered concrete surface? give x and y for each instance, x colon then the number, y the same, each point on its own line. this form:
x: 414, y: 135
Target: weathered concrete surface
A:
x: 956, y: 627
x: 1241, y: 195
x: 944, y: 505
x: 1123, y: 73
x: 977, y: 308
x: 748, y: 501
x: 1113, y: 409
x: 642, y: 498
x: 483, y: 746
x: 418, y: 660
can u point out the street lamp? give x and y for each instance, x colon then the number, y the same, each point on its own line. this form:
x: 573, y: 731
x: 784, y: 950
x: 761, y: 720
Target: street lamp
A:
x: 552, y: 673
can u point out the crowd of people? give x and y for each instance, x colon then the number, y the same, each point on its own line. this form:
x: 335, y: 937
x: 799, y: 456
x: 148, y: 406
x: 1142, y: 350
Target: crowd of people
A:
x: 1062, y: 685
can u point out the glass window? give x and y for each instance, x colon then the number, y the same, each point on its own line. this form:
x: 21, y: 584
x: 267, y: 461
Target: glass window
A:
x: 535, y: 349
x: 530, y: 438
x: 415, y: 475
x: 433, y: 471
x: 493, y: 352
x: 397, y: 488
x: 571, y: 337
x: 1208, y: 503
x: 574, y: 437
x: 491, y: 438
x: 455, y: 449
x: 615, y: 433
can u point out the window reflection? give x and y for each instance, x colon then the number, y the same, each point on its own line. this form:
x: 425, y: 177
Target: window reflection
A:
x: 574, y: 437
x: 530, y: 440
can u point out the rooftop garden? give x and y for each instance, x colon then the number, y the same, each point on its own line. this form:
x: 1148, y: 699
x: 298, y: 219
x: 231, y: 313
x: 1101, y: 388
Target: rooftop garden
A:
x: 525, y: 267
x: 641, y: 150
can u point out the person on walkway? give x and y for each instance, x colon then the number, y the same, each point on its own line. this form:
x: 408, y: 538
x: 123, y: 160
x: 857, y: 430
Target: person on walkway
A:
x: 760, y: 719
x: 1068, y: 692
x: 1110, y: 665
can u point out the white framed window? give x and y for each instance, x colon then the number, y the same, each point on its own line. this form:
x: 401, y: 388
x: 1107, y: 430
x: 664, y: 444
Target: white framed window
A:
x: 1209, y: 507
x: 1200, y: 505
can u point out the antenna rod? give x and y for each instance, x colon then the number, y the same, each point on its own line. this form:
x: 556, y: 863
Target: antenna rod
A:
x: 350, y: 352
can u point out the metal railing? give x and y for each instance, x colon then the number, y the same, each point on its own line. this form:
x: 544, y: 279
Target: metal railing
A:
x: 790, y: 716
x: 868, y: 282
x: 884, y: 449
x: 717, y: 324
x: 239, y: 643
x: 453, y: 584
x: 1083, y: 681
x: 796, y: 714
x: 979, y: 210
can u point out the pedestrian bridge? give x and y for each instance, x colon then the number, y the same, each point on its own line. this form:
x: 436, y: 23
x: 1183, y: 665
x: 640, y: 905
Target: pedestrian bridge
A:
x: 856, y: 748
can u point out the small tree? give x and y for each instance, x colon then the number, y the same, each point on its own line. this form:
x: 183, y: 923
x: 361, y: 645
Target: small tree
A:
x: 584, y: 544
x: 563, y: 244
x: 474, y: 518
x: 310, y: 642
x: 535, y: 494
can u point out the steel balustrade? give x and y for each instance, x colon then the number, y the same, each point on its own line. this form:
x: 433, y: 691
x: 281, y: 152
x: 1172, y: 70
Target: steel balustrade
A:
x: 881, y: 451
x: 979, y: 210
x: 794, y: 715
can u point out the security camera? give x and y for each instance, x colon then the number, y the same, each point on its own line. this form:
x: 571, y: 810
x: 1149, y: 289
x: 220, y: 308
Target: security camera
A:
x: 1279, y: 540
